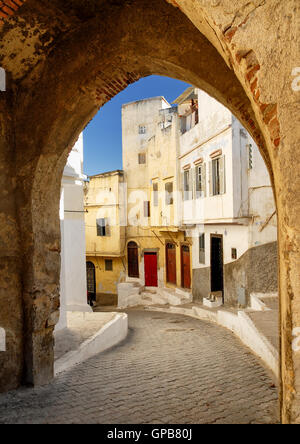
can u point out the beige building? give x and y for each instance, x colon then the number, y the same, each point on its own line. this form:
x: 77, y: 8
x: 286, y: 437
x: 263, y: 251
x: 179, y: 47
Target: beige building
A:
x: 199, y: 217
x: 105, y: 207
x: 153, y: 237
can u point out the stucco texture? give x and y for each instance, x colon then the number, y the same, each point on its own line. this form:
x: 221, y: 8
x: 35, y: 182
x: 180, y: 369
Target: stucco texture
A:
x: 64, y: 60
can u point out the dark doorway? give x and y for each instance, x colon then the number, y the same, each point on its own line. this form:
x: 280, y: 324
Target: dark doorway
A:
x: 150, y: 263
x: 133, y: 260
x: 185, y: 267
x: 216, y: 263
x: 91, y: 282
x: 171, y: 263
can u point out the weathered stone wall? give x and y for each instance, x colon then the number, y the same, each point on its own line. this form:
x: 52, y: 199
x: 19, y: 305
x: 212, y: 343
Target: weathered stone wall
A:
x: 66, y: 59
x: 11, y: 309
x: 201, y: 283
x: 255, y: 272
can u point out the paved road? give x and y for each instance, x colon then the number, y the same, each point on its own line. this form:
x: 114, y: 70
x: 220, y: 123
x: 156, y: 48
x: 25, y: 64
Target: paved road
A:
x: 171, y: 369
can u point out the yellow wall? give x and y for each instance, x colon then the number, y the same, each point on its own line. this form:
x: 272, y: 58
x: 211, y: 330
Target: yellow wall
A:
x: 107, y: 281
x: 105, y: 198
x: 160, y: 144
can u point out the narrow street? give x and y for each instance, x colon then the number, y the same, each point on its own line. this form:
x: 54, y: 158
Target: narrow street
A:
x: 170, y: 369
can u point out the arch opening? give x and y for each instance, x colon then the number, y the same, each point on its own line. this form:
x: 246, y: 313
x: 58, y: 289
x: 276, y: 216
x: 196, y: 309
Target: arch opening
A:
x: 96, y: 72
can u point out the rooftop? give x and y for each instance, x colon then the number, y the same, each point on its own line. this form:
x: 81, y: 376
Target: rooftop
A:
x: 108, y: 173
x: 146, y: 100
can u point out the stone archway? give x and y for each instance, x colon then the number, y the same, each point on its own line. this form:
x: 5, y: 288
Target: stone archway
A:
x: 63, y: 62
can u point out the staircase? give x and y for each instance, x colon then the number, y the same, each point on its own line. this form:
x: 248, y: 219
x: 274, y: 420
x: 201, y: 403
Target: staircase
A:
x: 133, y: 293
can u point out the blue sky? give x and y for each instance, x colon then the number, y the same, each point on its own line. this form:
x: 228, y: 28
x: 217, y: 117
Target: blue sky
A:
x: 103, y: 136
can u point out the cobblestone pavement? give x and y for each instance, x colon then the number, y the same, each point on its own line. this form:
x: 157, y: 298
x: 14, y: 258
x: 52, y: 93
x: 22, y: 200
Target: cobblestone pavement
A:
x: 170, y: 369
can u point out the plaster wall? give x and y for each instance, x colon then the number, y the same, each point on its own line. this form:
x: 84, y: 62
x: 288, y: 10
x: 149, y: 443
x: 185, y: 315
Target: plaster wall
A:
x: 107, y: 281
x: 105, y: 199
x: 73, y: 290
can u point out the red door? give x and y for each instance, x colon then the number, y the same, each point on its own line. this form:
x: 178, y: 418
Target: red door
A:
x: 185, y: 267
x: 171, y: 263
x: 150, y: 261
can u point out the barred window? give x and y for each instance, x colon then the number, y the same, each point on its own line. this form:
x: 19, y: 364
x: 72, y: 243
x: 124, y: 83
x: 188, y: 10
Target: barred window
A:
x: 142, y: 158
x: 108, y: 265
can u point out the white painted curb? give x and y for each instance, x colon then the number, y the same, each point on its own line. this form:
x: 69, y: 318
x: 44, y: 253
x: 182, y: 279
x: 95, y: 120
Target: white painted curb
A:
x: 111, y: 334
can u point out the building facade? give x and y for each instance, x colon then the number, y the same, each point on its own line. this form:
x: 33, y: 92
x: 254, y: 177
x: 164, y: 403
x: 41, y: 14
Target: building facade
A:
x: 228, y: 205
x: 196, y: 215
x: 73, y: 290
x: 154, y: 239
x: 105, y: 221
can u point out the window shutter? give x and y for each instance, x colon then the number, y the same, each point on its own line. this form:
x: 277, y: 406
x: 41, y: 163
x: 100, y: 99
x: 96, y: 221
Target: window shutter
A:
x: 210, y: 179
x: 146, y: 208
x: 101, y: 230
x: 203, y: 166
x: 107, y: 227
x: 191, y: 183
x: 196, y: 182
x: 222, y: 176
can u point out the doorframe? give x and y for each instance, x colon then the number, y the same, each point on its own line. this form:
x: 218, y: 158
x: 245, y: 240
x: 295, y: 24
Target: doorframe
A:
x: 138, y: 260
x: 219, y: 236
x: 95, y: 283
x: 173, y: 243
x: 151, y: 251
x: 185, y: 244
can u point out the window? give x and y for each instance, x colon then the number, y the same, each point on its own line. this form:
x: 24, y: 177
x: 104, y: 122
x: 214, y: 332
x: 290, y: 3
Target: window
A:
x: 233, y: 253
x: 169, y: 193
x: 142, y: 129
x: 186, y: 185
x: 147, y: 208
x: 102, y: 227
x: 202, y: 248
x: 108, y: 265
x: 217, y: 176
x: 142, y: 158
x: 155, y: 194
x: 200, y: 180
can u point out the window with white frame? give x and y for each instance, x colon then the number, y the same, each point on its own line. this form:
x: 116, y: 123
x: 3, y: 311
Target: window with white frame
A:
x: 202, y: 248
x: 200, y: 182
x: 187, y: 186
x: 103, y: 228
x: 217, y: 176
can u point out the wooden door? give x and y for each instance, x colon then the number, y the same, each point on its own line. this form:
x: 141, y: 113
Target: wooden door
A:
x: 133, y: 260
x: 185, y: 267
x: 150, y: 262
x: 171, y: 263
x: 91, y: 281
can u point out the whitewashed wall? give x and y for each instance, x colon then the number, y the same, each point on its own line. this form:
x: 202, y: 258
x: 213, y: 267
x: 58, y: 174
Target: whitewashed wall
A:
x: 73, y: 291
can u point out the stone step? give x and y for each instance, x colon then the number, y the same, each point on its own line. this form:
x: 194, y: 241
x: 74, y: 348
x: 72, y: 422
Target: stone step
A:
x: 172, y: 298
x: 186, y: 294
x: 154, y: 299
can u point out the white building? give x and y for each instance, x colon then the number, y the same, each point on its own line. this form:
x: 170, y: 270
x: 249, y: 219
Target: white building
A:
x: 73, y: 288
x: 228, y: 206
